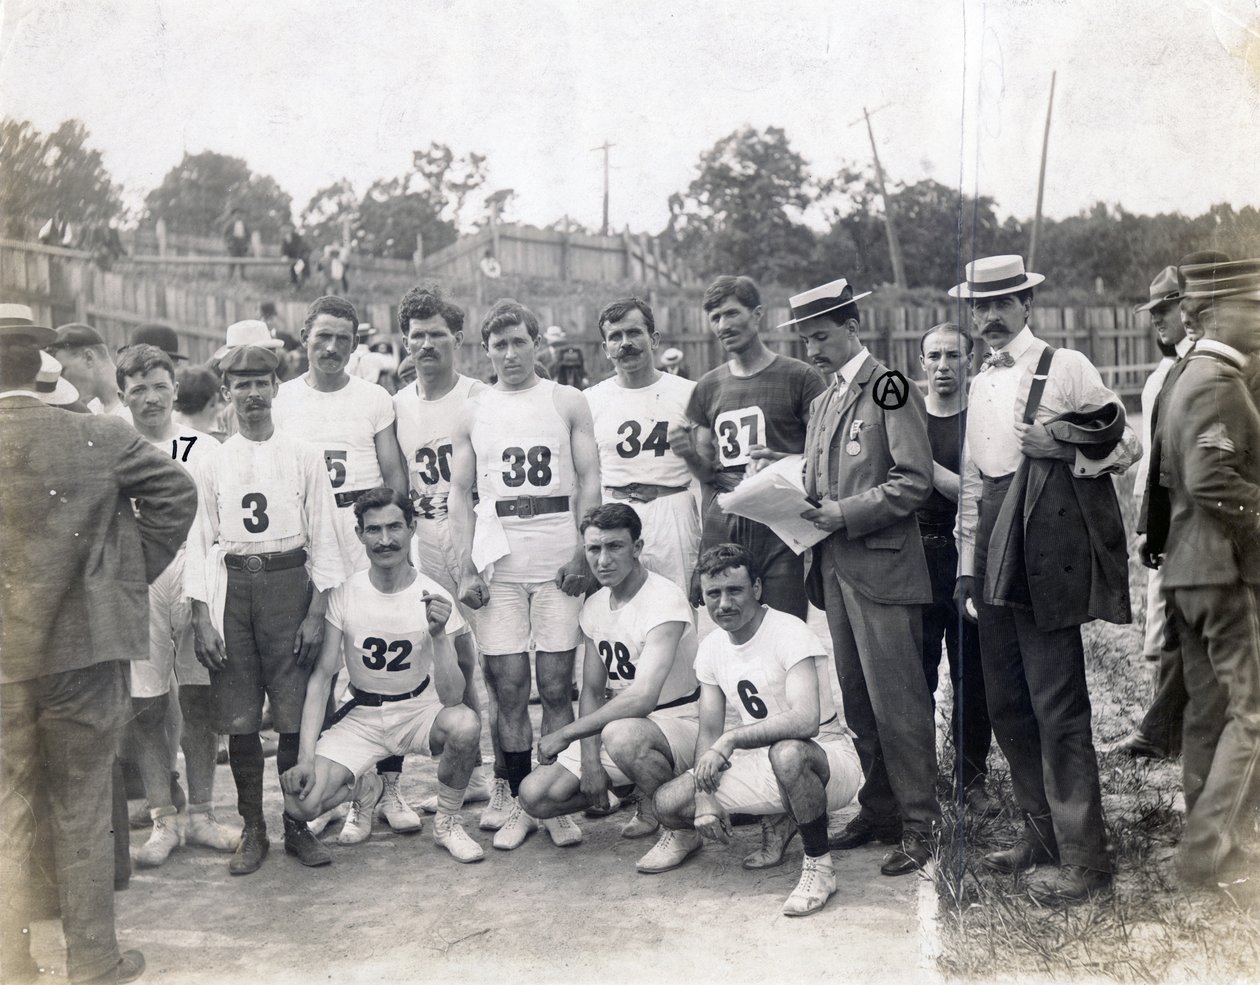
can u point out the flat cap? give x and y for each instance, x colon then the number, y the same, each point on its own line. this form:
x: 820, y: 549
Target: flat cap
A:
x: 249, y: 359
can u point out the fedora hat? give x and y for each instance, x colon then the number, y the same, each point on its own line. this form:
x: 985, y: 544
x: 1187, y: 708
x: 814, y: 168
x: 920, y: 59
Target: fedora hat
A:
x: 162, y: 336
x: 51, y: 387
x: 1165, y: 289
x: 1236, y: 279
x: 820, y: 300
x: 991, y: 277
x: 248, y: 332
x: 17, y: 322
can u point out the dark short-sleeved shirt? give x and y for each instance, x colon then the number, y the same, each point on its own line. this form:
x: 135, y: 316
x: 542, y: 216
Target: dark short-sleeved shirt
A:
x: 945, y: 434
x: 769, y: 408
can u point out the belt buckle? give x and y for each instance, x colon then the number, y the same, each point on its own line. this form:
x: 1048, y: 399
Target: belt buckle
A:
x: 525, y: 506
x: 254, y: 563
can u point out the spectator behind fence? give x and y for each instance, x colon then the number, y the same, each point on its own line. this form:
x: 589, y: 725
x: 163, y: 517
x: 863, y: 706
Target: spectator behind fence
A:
x: 294, y: 249
x: 236, y: 241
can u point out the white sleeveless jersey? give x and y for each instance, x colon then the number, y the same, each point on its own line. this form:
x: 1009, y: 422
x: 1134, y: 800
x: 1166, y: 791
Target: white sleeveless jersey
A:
x: 753, y: 675
x: 632, y: 427
x: 343, y: 425
x: 188, y: 446
x: 385, y: 637
x: 523, y: 448
x: 620, y: 635
x: 424, y: 434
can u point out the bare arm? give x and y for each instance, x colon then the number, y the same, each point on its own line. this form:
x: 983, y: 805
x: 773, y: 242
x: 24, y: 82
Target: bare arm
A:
x: 317, y: 686
x: 390, y: 459
x: 472, y: 588
x: 945, y: 482
x: 573, y: 576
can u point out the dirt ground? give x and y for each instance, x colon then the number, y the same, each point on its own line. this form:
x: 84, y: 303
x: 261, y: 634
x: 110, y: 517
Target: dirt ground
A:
x: 398, y: 909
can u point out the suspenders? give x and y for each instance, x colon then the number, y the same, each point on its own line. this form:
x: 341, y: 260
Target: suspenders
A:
x: 1040, y: 375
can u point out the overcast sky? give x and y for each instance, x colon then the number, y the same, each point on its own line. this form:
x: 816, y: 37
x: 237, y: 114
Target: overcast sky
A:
x: 1155, y: 106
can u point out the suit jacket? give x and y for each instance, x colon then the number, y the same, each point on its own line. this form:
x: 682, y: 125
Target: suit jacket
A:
x: 1058, y: 545
x: 1212, y: 462
x: 75, y: 558
x: 879, y: 551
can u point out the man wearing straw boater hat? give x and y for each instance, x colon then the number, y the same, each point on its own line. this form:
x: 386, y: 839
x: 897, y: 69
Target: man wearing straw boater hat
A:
x: 1210, y: 435
x: 1041, y: 550
x: 74, y: 560
x: 868, y: 465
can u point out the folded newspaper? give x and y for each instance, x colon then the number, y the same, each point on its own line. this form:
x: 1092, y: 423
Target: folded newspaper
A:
x: 775, y: 496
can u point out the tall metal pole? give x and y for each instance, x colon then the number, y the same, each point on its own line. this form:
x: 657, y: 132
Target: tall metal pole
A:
x: 605, y: 147
x: 890, y: 213
x: 1041, y: 180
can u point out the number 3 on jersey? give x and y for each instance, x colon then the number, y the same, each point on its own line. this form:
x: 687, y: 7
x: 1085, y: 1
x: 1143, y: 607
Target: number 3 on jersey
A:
x: 736, y: 432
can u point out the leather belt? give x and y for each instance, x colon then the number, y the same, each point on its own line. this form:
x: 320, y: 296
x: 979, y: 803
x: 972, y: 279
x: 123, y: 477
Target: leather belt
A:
x: 265, y: 562
x: 686, y: 699
x: 643, y: 492
x: 370, y: 699
x: 532, y: 505
x: 349, y: 498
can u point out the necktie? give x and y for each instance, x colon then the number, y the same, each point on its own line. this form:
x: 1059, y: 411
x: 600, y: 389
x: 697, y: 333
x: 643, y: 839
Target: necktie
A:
x: 998, y: 359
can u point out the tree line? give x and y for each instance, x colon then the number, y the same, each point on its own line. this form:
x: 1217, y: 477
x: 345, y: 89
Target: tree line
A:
x: 753, y: 205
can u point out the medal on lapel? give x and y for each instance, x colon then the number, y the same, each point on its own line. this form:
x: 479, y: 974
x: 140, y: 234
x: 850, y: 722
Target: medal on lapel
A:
x: 853, y: 448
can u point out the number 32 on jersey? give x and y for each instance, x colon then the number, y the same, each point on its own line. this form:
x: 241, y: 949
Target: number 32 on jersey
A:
x: 736, y: 431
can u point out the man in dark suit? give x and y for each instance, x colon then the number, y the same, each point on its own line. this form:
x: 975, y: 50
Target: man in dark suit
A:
x: 1210, y: 435
x: 868, y: 463
x: 75, y: 563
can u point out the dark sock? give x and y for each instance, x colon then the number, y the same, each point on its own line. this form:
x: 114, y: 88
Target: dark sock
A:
x: 814, y: 836
x: 518, y: 766
x: 392, y: 764
x: 287, y: 752
x: 246, y: 758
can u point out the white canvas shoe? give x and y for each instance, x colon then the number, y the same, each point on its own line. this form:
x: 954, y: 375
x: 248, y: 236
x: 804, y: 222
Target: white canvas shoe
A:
x: 516, y: 828
x: 208, y: 831
x: 496, y: 813
x: 818, y: 882
x: 448, y: 831
x: 396, y: 811
x: 563, y: 830
x: 163, y: 839
x: 358, y: 826
x: 671, y: 851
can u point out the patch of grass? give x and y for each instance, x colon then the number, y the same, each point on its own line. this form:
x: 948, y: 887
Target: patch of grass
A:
x: 1150, y: 928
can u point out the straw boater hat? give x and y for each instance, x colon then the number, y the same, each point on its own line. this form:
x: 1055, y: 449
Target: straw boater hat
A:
x: 51, y: 387
x: 671, y: 357
x: 554, y: 334
x: 17, y: 322
x: 820, y: 300
x: 1165, y: 289
x: 248, y: 332
x: 1237, y: 280
x: 991, y: 277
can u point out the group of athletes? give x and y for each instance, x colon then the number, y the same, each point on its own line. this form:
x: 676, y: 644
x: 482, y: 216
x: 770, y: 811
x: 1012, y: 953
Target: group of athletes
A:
x: 409, y: 541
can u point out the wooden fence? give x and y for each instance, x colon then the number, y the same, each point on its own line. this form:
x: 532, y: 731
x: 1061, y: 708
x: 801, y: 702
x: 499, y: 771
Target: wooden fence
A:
x: 64, y: 285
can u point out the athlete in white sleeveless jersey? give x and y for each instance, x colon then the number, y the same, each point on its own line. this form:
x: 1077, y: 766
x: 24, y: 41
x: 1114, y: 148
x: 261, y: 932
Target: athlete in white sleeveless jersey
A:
x: 633, y: 413
x: 428, y: 411
x: 528, y: 446
x: 350, y: 420
x: 640, y: 648
x: 393, y: 629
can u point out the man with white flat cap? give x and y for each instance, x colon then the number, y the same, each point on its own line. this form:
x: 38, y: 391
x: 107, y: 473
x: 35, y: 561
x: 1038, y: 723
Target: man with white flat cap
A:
x: 1042, y: 549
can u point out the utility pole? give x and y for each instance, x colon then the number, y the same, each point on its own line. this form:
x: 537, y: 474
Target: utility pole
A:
x: 1041, y: 180
x: 890, y: 210
x: 605, y: 147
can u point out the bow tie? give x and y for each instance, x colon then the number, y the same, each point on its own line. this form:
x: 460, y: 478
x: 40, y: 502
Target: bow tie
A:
x: 998, y: 359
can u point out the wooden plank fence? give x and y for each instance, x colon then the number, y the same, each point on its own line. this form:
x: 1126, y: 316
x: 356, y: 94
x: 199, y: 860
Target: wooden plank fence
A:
x: 64, y: 285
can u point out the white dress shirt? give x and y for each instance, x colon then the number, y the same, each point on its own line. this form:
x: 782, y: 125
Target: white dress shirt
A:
x: 1150, y: 392
x: 996, y: 403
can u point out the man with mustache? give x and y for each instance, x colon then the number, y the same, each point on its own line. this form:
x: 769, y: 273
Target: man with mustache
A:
x: 146, y: 380
x: 945, y: 354
x: 868, y: 465
x: 528, y: 447
x: 1042, y: 550
x: 262, y: 556
x: 427, y: 409
x: 634, y: 413
x: 351, y: 421
x: 392, y: 628
x: 637, y: 714
x: 789, y: 755
x: 748, y: 412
